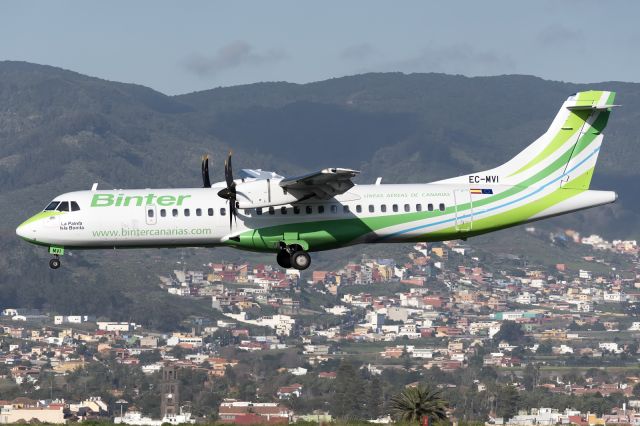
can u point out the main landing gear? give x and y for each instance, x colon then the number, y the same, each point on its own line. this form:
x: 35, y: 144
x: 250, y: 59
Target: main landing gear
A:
x: 55, y: 262
x: 293, y: 256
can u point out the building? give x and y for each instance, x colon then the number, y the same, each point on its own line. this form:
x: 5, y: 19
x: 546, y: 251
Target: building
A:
x: 114, y: 326
x: 286, y: 392
x: 244, y: 412
x: 170, y: 392
x: 53, y: 413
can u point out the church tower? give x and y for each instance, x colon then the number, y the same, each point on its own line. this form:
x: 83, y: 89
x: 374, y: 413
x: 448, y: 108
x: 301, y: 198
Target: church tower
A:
x: 170, y: 392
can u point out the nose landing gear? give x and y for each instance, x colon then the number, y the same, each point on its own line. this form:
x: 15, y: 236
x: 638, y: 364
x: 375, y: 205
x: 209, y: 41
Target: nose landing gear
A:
x: 54, y: 263
x: 56, y: 252
x: 293, y: 256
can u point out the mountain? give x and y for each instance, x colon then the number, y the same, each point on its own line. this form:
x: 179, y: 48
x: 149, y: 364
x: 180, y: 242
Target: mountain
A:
x: 62, y: 131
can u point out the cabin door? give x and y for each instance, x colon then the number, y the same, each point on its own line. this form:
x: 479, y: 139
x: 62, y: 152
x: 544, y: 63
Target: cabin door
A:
x: 150, y: 215
x: 464, y: 209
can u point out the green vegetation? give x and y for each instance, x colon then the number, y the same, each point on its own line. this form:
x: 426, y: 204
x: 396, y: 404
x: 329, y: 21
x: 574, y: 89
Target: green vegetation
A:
x: 415, y: 403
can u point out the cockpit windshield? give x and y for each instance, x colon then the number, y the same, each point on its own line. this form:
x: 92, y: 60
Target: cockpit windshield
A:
x: 63, y: 206
x: 52, y: 205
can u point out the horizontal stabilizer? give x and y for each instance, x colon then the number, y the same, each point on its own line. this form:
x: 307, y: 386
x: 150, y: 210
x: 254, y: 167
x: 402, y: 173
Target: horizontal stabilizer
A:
x: 591, y: 107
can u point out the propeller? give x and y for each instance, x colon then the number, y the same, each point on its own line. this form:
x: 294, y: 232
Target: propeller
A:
x: 206, y: 183
x: 229, y: 193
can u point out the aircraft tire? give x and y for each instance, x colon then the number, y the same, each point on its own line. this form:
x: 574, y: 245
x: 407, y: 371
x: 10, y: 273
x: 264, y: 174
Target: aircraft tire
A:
x: 284, y: 259
x: 300, y: 260
x: 54, y: 263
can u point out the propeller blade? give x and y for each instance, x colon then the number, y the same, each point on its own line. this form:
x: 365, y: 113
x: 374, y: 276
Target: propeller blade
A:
x: 228, y: 171
x: 229, y: 193
x: 206, y: 183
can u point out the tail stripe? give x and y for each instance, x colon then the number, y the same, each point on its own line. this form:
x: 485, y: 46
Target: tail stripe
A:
x: 494, y: 208
x: 576, y: 120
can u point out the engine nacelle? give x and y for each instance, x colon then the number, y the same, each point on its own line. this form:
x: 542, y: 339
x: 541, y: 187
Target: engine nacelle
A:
x: 262, y: 193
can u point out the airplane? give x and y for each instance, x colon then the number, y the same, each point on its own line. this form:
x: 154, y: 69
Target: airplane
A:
x: 292, y: 216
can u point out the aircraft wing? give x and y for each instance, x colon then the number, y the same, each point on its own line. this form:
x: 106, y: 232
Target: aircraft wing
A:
x: 259, y: 174
x: 323, y: 184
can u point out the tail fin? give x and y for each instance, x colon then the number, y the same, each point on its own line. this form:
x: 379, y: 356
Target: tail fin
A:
x: 566, y: 153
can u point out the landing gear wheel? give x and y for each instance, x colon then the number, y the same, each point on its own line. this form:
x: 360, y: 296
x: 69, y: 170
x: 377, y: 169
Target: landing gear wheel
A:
x: 300, y: 260
x: 284, y: 259
x: 54, y: 263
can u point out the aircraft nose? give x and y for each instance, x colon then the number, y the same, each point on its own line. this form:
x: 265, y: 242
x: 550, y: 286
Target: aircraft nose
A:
x: 26, y: 231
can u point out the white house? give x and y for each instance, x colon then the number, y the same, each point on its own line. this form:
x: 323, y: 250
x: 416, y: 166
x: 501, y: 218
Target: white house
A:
x: 611, y: 347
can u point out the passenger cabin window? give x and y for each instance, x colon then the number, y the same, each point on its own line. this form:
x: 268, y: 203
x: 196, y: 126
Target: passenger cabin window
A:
x: 223, y: 211
x: 383, y: 208
x: 430, y: 207
x: 372, y: 208
x: 345, y: 209
x: 320, y: 209
x: 283, y: 210
x: 395, y: 208
x: 418, y: 207
x: 272, y: 210
x: 74, y: 206
x: 198, y: 212
x: 308, y: 209
x: 150, y: 212
x: 174, y: 212
x: 187, y: 213
x: 210, y: 211
x: 441, y: 207
x: 259, y: 211
x: 163, y: 212
x: 52, y: 205
x: 334, y: 208
x: 63, y: 207
x: 407, y: 208
x: 296, y: 210
x: 359, y: 208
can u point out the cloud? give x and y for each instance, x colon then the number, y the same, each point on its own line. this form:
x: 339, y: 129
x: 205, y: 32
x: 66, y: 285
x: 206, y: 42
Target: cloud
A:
x: 555, y: 34
x: 233, y: 55
x: 357, y: 52
x: 457, y: 59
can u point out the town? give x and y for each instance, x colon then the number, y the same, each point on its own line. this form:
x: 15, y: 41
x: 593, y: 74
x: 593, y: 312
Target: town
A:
x: 509, y: 339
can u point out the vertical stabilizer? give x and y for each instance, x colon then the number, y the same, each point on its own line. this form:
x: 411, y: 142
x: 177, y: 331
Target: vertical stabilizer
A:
x: 566, y: 153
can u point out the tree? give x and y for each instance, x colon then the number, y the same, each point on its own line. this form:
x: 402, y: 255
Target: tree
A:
x: 512, y: 333
x: 348, y: 399
x: 545, y: 348
x: 406, y: 359
x: 415, y: 403
x: 375, y: 398
x: 507, y: 402
x: 531, y: 376
x: 636, y: 390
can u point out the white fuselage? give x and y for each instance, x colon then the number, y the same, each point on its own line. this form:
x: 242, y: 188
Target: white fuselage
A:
x: 198, y: 217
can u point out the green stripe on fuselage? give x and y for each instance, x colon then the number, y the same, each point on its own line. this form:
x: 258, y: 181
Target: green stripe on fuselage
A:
x: 515, y: 216
x: 41, y: 215
x: 328, y: 234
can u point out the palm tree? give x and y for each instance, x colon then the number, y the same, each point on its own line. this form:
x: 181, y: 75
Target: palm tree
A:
x: 415, y: 403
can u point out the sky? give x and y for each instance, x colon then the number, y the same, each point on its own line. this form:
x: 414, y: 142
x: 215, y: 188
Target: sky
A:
x: 184, y: 46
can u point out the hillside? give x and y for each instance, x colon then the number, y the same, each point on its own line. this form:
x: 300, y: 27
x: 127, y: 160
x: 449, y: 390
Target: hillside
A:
x: 62, y: 131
